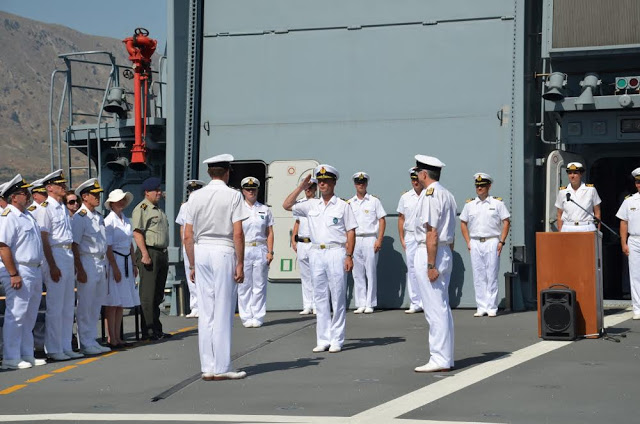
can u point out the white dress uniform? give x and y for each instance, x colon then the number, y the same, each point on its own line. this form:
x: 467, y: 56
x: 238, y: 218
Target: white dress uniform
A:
x: 575, y: 219
x: 212, y: 210
x: 252, y: 294
x: 56, y: 222
x: 181, y: 220
x: 89, y: 233
x: 436, y: 207
x: 368, y: 211
x: 328, y: 226
x: 304, y: 267
x: 630, y: 211
x: 407, y: 207
x: 20, y: 232
x: 484, y: 220
x: 119, y: 233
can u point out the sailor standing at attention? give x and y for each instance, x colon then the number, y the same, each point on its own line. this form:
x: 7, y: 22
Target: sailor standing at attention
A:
x: 181, y: 219
x: 90, y: 250
x: 435, y: 232
x: 215, y: 247
x: 369, y: 215
x: 59, y: 275
x: 406, y: 228
x: 571, y: 218
x: 21, y: 276
x: 258, y: 254
x: 629, y: 214
x: 301, y: 244
x: 484, y: 223
x: 332, y: 227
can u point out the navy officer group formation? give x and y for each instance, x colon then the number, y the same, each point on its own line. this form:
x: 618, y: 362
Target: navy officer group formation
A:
x: 228, y: 245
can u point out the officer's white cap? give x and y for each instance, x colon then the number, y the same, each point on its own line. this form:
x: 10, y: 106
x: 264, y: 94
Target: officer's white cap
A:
x: 56, y: 177
x: 250, y: 182
x: 194, y: 184
x: 90, y: 186
x: 221, y: 161
x: 360, y: 175
x: 481, y: 178
x: 636, y: 174
x: 575, y: 166
x: 313, y: 180
x: 14, y: 184
x: 2, y: 186
x: 38, y: 187
x: 325, y: 171
x: 426, y: 162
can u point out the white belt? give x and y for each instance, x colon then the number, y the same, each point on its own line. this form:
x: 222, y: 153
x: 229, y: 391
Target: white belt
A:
x: 62, y: 246
x: 215, y: 242
x: 366, y: 235
x: 633, y: 236
x: 440, y: 243
x: 483, y: 239
x: 98, y: 256
x: 30, y: 264
x: 580, y: 223
x: 327, y: 246
x: 254, y: 243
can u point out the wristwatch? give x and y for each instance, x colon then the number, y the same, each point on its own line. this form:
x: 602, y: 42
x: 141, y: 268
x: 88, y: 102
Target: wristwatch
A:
x: 350, y: 255
x: 192, y: 267
x: 431, y: 266
x: 14, y: 275
x: 272, y: 252
x: 501, y: 241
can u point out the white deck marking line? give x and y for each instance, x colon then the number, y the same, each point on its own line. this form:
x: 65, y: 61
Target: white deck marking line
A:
x: 432, y: 392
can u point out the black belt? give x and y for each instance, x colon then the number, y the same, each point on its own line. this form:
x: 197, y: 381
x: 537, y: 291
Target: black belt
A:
x: 303, y: 239
x: 159, y: 249
x: 126, y: 262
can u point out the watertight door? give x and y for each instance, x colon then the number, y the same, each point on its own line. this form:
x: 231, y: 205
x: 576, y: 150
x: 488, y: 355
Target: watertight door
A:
x: 283, y: 177
x: 556, y: 177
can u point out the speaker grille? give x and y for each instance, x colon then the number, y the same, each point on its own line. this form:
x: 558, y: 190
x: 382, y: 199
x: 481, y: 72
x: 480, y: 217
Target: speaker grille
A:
x: 557, y: 317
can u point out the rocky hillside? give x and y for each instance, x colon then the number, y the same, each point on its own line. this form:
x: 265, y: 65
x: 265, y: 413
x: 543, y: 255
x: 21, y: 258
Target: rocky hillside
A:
x: 28, y: 55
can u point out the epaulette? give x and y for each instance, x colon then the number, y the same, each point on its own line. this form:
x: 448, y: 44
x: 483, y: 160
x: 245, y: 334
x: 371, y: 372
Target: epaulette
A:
x: 44, y: 204
x: 143, y: 206
x: 498, y: 198
x: 589, y: 185
x: 32, y: 208
x: 563, y: 187
x: 627, y: 196
x: 373, y: 195
x: 469, y: 200
x: 82, y: 212
x: 429, y: 192
x: 404, y: 192
x: 6, y: 212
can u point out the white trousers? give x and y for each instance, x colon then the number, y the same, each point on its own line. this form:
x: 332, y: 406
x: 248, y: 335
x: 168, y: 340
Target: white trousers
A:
x: 572, y: 228
x: 21, y: 313
x: 193, y: 296
x: 435, y: 296
x: 217, y: 291
x: 486, y: 264
x: 90, y: 299
x: 365, y: 277
x: 252, y: 294
x: 305, y: 275
x: 412, y: 283
x: 60, y: 303
x: 634, y: 271
x: 329, y: 285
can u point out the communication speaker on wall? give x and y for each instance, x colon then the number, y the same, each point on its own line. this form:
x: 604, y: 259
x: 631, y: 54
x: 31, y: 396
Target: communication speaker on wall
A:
x: 558, y: 313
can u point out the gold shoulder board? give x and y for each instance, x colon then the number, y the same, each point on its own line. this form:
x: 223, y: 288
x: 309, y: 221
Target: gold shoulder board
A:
x: 469, y: 200
x: 563, y: 187
x: 6, y: 212
x: 589, y: 185
x: 429, y: 192
x: 498, y: 198
x: 31, y: 208
x: 627, y: 196
x: 44, y: 204
x: 83, y: 212
x: 143, y: 206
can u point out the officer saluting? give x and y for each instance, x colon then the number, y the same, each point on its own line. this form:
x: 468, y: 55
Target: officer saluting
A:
x: 332, y: 226
x: 629, y: 214
x: 301, y: 243
x: 485, y: 225
x: 21, y: 275
x: 215, y: 247
x: 571, y: 218
x: 90, y: 249
x: 435, y: 232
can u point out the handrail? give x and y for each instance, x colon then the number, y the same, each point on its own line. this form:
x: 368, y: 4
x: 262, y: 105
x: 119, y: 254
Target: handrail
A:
x: 51, y: 91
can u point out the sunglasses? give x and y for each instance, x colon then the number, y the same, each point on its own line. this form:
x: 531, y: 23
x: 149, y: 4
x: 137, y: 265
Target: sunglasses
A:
x: 71, y: 202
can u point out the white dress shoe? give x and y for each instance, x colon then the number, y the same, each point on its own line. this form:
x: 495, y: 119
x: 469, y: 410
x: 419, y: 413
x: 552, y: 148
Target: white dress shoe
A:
x: 231, y: 375
x: 33, y: 361
x: 91, y: 350
x: 368, y: 310
x: 248, y: 323
x: 58, y: 356
x: 636, y: 316
x: 73, y: 355
x: 15, y: 364
x: 305, y: 311
x: 256, y: 324
x: 335, y: 349
x: 479, y: 314
x: 359, y: 310
x: 314, y: 311
x: 320, y: 348
x: 192, y: 314
x: 410, y: 311
x: 492, y: 314
x: 431, y: 367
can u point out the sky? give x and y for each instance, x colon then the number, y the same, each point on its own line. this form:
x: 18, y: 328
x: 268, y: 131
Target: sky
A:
x: 111, y: 18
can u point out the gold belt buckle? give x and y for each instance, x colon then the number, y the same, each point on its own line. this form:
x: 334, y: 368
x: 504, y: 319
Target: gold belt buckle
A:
x: 577, y: 223
x: 254, y: 244
x: 482, y: 239
x: 322, y: 246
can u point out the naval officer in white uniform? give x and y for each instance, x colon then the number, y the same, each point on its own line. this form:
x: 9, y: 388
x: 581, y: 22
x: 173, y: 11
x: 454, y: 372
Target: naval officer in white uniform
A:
x: 629, y: 214
x: 406, y: 227
x: 301, y: 244
x: 332, y: 226
x: 570, y: 217
x: 214, y: 241
x: 370, y: 217
x: 258, y: 254
x: 90, y: 250
x: 435, y: 232
x: 484, y: 223
x: 20, y: 275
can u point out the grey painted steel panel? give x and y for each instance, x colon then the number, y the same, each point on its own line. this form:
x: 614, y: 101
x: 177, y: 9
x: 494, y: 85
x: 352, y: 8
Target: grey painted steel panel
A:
x: 370, y: 99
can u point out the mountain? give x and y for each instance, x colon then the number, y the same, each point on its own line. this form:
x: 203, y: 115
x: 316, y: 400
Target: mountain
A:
x: 28, y: 55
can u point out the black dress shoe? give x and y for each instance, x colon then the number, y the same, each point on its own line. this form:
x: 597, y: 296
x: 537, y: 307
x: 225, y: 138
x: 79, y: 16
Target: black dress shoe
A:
x: 163, y: 336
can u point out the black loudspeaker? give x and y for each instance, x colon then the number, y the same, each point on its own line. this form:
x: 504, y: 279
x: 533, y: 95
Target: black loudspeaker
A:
x: 558, y: 313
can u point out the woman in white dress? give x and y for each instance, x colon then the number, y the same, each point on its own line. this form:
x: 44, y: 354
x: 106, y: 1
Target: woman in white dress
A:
x: 122, y: 292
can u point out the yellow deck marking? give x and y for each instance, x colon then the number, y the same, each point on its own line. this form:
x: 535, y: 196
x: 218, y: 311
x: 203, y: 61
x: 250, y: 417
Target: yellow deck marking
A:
x: 87, y: 361
x: 183, y: 330
x: 108, y: 354
x: 64, y: 369
x: 39, y: 378
x: 13, y: 389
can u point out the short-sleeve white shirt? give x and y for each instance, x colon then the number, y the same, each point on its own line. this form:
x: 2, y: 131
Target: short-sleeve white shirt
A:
x: 630, y: 211
x: 119, y: 233
x: 436, y: 207
x: 484, y: 217
x: 21, y: 233
x: 303, y: 224
x: 256, y: 226
x: 89, y: 231
x: 587, y: 197
x: 407, y: 207
x: 328, y: 224
x: 368, y: 212
x: 56, y: 222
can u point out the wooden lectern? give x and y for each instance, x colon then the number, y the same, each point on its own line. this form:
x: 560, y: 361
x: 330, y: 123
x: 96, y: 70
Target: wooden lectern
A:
x: 575, y: 260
